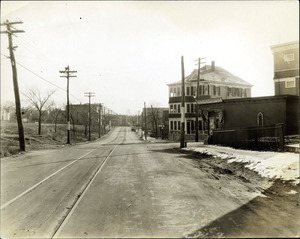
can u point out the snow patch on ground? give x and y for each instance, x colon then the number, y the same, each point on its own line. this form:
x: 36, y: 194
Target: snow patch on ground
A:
x: 275, y: 165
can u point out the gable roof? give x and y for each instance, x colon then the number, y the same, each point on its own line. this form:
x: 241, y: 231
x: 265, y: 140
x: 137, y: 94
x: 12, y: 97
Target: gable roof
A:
x: 218, y: 75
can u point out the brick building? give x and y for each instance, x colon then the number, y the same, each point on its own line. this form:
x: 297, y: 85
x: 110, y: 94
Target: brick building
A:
x: 286, y: 68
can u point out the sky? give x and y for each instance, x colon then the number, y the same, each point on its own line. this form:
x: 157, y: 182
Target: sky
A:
x: 127, y: 52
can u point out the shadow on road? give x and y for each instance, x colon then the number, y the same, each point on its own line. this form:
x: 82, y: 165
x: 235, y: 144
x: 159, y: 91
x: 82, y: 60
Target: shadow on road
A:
x: 183, y: 153
x: 276, y: 214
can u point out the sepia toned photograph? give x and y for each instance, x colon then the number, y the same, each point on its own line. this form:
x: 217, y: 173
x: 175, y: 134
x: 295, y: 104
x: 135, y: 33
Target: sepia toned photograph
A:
x: 149, y: 119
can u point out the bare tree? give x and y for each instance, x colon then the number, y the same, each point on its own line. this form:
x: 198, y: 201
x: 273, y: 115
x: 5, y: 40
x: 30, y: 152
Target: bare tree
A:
x: 55, y: 112
x: 155, y: 119
x: 42, y: 104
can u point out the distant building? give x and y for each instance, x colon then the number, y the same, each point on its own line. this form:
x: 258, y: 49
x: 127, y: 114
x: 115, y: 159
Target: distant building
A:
x: 79, y: 112
x: 286, y: 68
x: 7, y: 113
x: 216, y: 84
x: 156, y: 120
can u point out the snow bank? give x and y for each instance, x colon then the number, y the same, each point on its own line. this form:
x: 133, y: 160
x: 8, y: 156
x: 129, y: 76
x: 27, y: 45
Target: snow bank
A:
x: 267, y: 164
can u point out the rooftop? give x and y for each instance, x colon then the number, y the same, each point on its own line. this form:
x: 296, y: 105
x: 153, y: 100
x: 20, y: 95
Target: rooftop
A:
x: 216, y: 74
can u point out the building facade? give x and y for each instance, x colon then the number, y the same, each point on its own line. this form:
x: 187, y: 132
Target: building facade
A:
x: 215, y: 85
x: 286, y: 68
x: 255, y: 112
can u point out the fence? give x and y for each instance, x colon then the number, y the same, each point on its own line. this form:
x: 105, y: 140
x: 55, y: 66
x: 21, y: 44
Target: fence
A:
x: 258, y: 138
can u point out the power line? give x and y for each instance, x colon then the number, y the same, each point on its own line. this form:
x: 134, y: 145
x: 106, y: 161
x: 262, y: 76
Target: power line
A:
x: 48, y: 81
x: 44, y: 79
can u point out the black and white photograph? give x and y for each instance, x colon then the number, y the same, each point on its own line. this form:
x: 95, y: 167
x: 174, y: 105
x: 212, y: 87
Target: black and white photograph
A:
x: 149, y: 119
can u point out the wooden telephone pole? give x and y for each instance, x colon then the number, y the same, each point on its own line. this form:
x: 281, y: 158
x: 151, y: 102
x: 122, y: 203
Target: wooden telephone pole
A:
x: 197, y: 99
x: 10, y: 31
x: 67, y: 73
x: 89, y: 94
x: 182, y: 138
x: 145, y: 120
x: 100, y: 119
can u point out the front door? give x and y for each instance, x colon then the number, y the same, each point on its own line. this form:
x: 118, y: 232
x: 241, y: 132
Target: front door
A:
x: 188, y: 127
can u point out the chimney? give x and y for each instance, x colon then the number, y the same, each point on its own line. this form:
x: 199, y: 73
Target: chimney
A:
x: 213, y: 66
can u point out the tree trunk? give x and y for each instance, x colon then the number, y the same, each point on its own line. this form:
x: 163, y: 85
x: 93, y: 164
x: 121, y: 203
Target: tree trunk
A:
x: 85, y: 130
x: 55, y: 123
x: 156, y: 131
x: 40, y: 122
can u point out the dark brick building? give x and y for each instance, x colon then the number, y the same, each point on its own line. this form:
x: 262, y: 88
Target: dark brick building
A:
x: 286, y: 68
x: 254, y: 112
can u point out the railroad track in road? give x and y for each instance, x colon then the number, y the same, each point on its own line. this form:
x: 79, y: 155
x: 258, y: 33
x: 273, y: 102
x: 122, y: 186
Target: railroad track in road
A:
x: 80, y: 195
x: 86, y: 187
x: 99, y: 165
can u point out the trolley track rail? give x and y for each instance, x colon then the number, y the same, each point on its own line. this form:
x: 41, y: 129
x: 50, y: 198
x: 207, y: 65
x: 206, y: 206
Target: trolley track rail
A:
x: 61, y: 169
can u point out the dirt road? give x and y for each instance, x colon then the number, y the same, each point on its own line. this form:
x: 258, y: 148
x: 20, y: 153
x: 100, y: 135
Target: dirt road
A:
x: 121, y: 186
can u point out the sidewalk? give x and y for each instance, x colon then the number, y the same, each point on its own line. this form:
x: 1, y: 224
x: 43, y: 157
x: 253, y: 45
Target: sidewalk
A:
x: 276, y: 165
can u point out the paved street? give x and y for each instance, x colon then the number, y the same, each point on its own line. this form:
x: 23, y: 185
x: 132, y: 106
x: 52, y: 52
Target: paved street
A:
x: 119, y: 186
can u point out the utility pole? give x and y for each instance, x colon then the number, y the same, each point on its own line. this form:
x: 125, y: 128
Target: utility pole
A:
x: 197, y: 98
x: 100, y: 108
x: 142, y: 123
x: 89, y: 94
x: 104, y: 118
x: 145, y: 120
x: 138, y: 120
x: 182, y: 140
x: 68, y: 73
x: 10, y: 30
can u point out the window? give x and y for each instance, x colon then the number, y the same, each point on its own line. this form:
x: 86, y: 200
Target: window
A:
x: 206, y: 88
x: 175, y: 108
x: 188, y: 90
x: 218, y: 90
x: 288, y: 57
x: 260, y: 119
x: 179, y: 123
x: 214, y: 90
x: 178, y: 91
x: 188, y: 108
x: 193, y: 90
x: 229, y: 93
x: 178, y: 109
x: 290, y: 84
x: 171, y: 125
x: 171, y: 109
x: 192, y: 108
x: 175, y: 125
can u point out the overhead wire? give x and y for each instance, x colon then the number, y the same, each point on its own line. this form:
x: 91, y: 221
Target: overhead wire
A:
x: 42, y: 78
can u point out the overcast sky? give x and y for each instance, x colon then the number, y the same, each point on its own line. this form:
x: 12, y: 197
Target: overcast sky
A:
x: 127, y: 52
